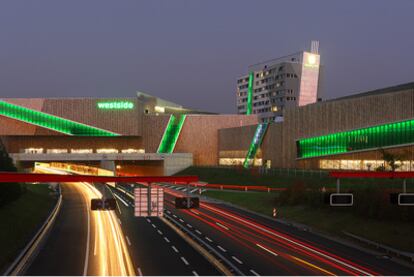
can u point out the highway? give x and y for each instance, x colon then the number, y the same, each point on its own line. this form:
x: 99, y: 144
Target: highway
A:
x: 83, y: 242
x: 252, y: 245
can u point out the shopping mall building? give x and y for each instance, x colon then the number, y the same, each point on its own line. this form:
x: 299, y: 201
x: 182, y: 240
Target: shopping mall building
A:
x: 148, y: 135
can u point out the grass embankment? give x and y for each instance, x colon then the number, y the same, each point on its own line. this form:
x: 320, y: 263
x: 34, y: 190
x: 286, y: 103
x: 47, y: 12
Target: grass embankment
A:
x: 21, y: 219
x: 329, y: 220
x: 284, y: 178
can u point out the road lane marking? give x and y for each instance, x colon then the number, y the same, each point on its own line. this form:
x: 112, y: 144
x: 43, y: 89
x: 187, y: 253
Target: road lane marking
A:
x: 222, y: 226
x: 195, y: 212
x: 159, y: 232
x: 189, y: 226
x: 268, y: 250
x: 312, y: 265
x: 85, y: 267
x: 254, y: 272
x: 139, y: 271
x: 197, y: 231
x: 122, y: 200
x: 184, y: 261
x: 221, y: 248
x: 119, y: 221
x: 195, y: 273
x: 289, y: 240
x: 168, y: 212
x: 175, y: 249
x: 127, y: 239
x: 237, y: 260
x: 209, y: 239
x: 181, y: 220
x: 149, y: 220
x: 153, y: 225
x: 166, y: 239
x: 174, y: 216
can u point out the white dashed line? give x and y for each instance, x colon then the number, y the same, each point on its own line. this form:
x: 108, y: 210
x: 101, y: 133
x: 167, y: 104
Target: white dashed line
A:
x: 197, y: 231
x: 195, y: 273
x: 237, y: 260
x: 149, y: 220
x: 189, y: 226
x: 209, y: 239
x: 195, y: 212
x: 181, y: 220
x: 175, y: 249
x: 222, y: 226
x: 168, y: 211
x: 184, y: 261
x: 166, y: 239
x: 254, y: 272
x: 139, y: 271
x: 153, y: 225
x: 221, y: 248
x: 159, y: 232
x: 174, y: 216
x: 268, y: 250
x: 127, y: 239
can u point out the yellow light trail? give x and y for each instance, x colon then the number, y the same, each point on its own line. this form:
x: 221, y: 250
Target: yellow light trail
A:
x: 110, y: 254
x: 312, y: 265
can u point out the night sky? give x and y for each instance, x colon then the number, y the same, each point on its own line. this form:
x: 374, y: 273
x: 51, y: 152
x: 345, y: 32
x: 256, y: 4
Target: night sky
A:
x: 191, y: 52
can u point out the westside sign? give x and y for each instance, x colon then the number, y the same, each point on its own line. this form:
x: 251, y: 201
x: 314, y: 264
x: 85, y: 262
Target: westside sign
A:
x: 116, y: 105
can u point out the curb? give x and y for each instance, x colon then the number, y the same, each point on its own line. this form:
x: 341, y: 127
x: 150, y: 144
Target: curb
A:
x: 20, y: 263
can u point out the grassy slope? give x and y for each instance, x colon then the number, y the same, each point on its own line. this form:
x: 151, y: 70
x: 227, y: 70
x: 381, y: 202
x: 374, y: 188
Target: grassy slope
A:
x: 20, y: 220
x: 246, y: 177
x: 330, y: 220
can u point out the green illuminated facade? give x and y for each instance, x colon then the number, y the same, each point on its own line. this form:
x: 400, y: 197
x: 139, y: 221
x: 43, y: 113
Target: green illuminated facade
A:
x: 171, y: 134
x: 51, y: 122
x: 255, y: 144
x: 386, y: 135
x: 250, y: 94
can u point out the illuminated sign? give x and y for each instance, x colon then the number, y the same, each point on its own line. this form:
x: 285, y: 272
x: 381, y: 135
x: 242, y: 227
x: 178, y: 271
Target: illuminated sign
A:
x: 116, y: 105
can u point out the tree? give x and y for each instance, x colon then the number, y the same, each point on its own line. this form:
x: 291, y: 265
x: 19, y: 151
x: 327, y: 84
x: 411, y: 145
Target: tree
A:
x: 393, y: 161
x: 8, y: 191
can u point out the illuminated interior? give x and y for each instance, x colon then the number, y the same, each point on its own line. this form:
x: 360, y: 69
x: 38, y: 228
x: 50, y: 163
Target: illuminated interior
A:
x: 393, y: 134
x: 370, y: 165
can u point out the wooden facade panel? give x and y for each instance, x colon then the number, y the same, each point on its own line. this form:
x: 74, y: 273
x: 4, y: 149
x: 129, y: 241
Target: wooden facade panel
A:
x: 233, y: 139
x: 154, y: 127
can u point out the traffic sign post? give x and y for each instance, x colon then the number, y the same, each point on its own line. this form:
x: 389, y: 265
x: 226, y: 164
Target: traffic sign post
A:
x: 149, y: 201
x: 339, y: 199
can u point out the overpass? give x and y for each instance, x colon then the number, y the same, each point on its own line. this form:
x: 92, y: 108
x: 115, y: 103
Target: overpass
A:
x: 169, y: 163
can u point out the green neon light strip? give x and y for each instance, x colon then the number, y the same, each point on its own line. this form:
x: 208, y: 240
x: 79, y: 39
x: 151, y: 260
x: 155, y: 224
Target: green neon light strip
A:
x: 392, y: 134
x: 117, y: 105
x: 171, y: 134
x: 255, y: 144
x: 51, y: 122
x: 250, y: 94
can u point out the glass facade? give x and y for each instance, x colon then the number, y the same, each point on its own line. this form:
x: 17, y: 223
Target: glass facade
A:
x: 171, y: 134
x: 48, y: 121
x: 391, y: 134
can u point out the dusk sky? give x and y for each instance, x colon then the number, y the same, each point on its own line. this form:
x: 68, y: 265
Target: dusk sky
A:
x: 191, y: 52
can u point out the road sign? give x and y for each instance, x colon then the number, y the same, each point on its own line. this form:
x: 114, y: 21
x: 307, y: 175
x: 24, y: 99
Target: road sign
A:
x: 187, y: 202
x: 341, y: 199
x: 103, y: 204
x: 406, y: 199
x: 149, y: 205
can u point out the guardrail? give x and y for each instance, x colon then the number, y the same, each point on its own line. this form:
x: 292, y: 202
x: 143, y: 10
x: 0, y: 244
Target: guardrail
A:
x: 22, y: 260
x: 389, y: 250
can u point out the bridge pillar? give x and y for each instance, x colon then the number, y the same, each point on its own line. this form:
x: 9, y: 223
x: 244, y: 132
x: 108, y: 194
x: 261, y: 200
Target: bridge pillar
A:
x: 108, y: 165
